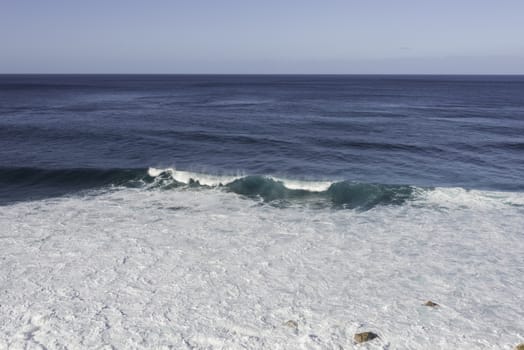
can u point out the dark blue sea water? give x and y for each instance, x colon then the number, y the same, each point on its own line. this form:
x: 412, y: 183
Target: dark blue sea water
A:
x: 63, y: 133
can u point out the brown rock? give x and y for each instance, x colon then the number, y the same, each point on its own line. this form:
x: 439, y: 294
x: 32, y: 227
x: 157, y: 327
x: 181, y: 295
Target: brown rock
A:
x: 519, y: 347
x: 364, y: 336
x: 291, y: 323
x: 430, y: 304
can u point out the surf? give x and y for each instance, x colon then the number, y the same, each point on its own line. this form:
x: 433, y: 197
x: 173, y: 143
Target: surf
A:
x: 285, y: 192
x: 23, y: 184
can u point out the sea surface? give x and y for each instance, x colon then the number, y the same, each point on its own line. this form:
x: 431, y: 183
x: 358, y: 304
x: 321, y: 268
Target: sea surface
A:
x: 207, y: 211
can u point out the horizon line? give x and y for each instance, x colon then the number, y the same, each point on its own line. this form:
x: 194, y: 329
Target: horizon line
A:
x: 281, y: 74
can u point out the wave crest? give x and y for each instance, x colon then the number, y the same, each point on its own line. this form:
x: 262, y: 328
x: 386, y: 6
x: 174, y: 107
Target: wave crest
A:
x: 20, y: 184
x: 285, y: 192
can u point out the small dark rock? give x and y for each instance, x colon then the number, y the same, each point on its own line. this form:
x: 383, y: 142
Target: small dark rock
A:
x: 291, y: 324
x: 364, y: 337
x: 430, y: 304
x: 519, y: 347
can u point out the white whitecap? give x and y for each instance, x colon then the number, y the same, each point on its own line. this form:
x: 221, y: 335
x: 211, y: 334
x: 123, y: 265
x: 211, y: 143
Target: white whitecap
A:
x: 312, y: 186
x: 460, y: 197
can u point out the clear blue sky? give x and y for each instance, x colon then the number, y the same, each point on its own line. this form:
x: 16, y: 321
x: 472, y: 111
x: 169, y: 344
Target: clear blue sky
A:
x: 265, y: 36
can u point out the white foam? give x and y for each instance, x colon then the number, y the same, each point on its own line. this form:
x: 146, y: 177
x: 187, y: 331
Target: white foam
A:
x: 207, y: 269
x: 187, y: 176
x: 312, y: 186
x: 462, y: 198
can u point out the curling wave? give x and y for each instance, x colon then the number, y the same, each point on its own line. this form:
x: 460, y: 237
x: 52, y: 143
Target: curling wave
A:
x: 20, y: 184
x: 285, y: 192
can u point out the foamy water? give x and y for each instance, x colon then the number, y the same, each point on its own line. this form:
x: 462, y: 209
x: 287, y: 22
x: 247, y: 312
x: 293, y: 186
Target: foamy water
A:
x: 203, y: 268
x: 219, y: 211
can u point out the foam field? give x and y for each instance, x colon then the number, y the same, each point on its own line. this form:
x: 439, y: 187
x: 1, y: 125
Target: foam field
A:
x: 202, y: 268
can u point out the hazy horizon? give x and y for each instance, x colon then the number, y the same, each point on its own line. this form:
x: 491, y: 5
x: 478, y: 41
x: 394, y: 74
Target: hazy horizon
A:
x: 239, y: 37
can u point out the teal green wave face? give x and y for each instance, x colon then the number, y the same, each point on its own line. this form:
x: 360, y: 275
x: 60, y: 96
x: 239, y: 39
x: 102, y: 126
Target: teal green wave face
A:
x: 343, y: 195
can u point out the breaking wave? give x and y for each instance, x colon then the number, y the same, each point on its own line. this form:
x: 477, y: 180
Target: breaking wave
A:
x: 285, y: 192
x: 337, y: 194
x: 19, y: 184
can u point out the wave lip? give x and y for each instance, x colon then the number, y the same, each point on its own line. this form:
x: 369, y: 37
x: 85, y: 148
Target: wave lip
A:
x: 187, y: 177
x: 284, y: 192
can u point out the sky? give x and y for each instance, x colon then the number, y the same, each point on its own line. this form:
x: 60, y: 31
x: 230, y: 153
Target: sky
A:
x: 262, y: 37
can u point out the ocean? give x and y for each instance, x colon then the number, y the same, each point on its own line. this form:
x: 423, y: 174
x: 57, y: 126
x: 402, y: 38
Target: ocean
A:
x: 208, y: 211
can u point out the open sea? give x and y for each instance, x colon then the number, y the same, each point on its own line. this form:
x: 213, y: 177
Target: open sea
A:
x: 208, y: 211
